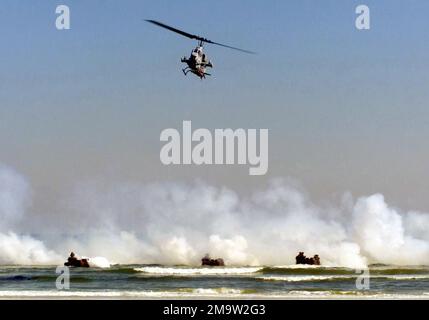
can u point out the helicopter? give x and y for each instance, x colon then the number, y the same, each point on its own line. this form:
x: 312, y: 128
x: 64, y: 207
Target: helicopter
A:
x: 198, y: 61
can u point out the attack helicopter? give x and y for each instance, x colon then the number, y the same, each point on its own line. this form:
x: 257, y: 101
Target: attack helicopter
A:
x: 198, y: 61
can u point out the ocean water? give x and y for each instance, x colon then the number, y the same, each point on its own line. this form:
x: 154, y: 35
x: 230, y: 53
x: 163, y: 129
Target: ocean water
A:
x: 158, y: 282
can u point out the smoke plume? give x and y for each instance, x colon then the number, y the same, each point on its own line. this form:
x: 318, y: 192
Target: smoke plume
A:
x: 177, y: 223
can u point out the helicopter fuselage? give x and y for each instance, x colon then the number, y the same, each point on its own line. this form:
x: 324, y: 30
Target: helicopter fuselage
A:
x: 197, y: 63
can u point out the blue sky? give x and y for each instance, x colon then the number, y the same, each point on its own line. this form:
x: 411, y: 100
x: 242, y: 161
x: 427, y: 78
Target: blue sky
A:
x: 346, y: 109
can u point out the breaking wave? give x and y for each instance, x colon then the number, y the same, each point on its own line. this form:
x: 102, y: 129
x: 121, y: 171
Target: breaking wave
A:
x: 191, y: 292
x: 340, y: 278
x: 306, y: 271
x: 305, y: 278
x: 198, y: 271
x: 99, y: 262
x: 210, y: 293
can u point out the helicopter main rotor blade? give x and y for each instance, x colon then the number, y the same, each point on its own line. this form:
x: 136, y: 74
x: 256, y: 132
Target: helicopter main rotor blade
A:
x: 183, y: 33
x: 234, y: 48
x: 193, y: 36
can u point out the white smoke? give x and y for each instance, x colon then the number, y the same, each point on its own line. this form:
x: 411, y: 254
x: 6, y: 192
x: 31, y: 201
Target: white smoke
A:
x: 15, y: 197
x: 234, y: 250
x: 177, y: 251
x: 174, y: 223
x: 382, y: 233
x: 24, y: 250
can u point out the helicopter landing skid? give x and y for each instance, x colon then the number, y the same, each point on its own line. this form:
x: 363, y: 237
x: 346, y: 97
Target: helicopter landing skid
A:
x: 187, y: 70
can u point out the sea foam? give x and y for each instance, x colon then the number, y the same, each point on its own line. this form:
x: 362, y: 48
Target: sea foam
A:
x: 198, y: 271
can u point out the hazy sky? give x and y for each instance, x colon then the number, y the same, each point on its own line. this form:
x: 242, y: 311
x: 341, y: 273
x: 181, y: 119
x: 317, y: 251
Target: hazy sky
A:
x: 347, y: 110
